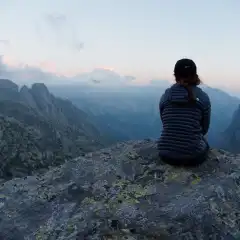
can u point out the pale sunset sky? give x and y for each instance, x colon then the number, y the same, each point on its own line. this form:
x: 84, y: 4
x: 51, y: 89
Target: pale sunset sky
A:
x: 141, y: 38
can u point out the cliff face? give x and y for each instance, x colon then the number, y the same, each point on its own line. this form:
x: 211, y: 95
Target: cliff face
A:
x: 39, y: 130
x: 231, y: 137
x: 125, y: 192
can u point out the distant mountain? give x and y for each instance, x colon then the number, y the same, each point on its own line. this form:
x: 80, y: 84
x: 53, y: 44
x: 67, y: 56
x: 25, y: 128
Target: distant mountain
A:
x: 38, y: 129
x: 231, y: 137
x: 223, y: 108
x: 131, y: 112
x: 100, y: 77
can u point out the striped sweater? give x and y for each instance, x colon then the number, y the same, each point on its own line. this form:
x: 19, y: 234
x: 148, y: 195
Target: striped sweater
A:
x: 184, y: 123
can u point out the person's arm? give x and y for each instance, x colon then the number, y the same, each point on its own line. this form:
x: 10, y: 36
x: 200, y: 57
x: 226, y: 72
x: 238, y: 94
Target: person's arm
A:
x: 161, y: 103
x: 206, y: 115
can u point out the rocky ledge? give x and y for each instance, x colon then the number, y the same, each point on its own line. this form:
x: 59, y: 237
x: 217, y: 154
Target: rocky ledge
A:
x: 125, y: 192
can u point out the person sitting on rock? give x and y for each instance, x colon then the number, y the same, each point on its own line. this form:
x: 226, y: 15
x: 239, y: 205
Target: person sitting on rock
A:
x: 185, y: 111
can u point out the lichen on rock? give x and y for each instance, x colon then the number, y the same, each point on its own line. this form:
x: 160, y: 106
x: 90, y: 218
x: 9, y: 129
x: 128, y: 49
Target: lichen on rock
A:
x: 125, y: 192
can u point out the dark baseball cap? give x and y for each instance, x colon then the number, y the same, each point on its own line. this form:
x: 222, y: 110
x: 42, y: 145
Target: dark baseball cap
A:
x: 185, y: 67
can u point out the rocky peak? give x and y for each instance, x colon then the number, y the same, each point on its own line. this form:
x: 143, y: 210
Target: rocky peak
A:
x: 8, y: 84
x: 24, y: 89
x: 8, y: 90
x: 43, y: 98
x: 125, y: 192
x: 27, y: 97
x: 40, y: 89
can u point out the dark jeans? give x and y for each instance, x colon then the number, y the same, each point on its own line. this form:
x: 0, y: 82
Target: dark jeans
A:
x: 187, y: 162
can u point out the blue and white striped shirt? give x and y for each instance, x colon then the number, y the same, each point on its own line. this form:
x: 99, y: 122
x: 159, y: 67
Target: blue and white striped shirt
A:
x: 184, y: 123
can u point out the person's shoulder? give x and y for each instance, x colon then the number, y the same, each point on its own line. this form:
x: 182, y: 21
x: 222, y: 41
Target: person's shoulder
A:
x: 165, y: 95
x: 167, y: 90
x: 203, y: 95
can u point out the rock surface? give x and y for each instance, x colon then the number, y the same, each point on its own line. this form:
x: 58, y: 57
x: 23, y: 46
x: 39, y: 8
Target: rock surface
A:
x: 125, y: 192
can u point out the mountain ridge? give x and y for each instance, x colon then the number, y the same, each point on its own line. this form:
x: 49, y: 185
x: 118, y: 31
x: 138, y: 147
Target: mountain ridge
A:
x: 62, y: 131
x: 133, y: 113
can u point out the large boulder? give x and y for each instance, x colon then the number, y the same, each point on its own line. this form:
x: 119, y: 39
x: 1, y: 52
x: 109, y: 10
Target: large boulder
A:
x: 125, y: 192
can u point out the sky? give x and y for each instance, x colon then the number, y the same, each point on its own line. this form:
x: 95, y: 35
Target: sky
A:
x: 140, y: 38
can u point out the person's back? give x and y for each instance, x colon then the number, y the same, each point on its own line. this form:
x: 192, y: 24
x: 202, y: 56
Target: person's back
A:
x: 185, y: 113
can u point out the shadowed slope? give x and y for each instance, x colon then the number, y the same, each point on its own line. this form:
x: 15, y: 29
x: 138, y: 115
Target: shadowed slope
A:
x: 38, y: 130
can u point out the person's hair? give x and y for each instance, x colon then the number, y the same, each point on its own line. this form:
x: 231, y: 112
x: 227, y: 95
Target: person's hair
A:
x: 188, y: 83
x: 185, y: 73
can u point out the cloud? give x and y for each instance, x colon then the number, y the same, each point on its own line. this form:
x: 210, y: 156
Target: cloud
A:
x: 96, y: 81
x: 56, y: 20
x: 25, y: 74
x: 39, y: 31
x: 79, y: 46
x: 45, y: 72
x: 103, y: 77
x: 57, y: 24
x: 4, y: 42
x: 130, y: 78
x: 64, y: 31
x: 3, y: 67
